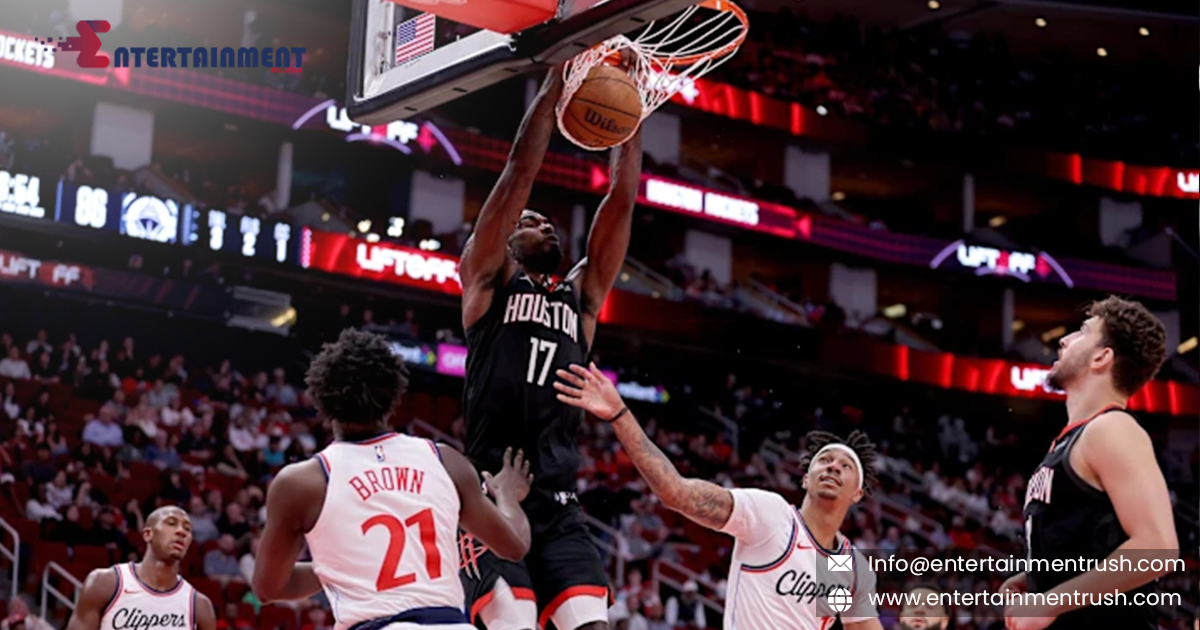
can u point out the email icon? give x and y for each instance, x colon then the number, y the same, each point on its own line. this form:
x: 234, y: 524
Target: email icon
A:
x: 841, y: 563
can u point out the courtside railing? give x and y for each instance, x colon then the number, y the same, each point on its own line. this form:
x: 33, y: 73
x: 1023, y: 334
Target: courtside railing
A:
x: 638, y: 278
x: 12, y: 554
x: 674, y: 575
x: 774, y: 306
x: 612, y: 544
x: 50, y: 590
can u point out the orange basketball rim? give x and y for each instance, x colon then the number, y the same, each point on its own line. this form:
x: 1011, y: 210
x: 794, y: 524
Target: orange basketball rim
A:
x: 668, y: 56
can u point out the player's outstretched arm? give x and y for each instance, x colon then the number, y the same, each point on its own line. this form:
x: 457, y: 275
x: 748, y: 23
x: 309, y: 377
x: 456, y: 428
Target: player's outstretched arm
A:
x: 485, y: 254
x: 705, y: 503
x: 291, y: 512
x: 608, y: 241
x: 206, y: 615
x: 98, y: 590
x: 502, y: 525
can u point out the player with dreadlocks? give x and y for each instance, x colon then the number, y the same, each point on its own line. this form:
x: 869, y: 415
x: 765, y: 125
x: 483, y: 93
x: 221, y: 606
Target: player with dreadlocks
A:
x: 784, y: 558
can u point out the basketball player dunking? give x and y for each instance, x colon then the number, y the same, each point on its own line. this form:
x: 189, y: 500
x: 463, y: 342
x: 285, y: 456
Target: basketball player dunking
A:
x: 147, y: 595
x: 779, y: 551
x: 520, y: 327
x: 380, y: 511
x: 1099, y: 492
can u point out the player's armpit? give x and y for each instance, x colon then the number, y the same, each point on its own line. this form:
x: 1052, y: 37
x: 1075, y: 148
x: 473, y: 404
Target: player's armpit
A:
x: 206, y: 616
x: 504, y: 529
x: 292, y: 507
x: 98, y: 590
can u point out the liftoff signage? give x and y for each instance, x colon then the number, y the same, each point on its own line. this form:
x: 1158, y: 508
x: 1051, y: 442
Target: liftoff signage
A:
x: 1031, y: 379
x: 395, y: 264
x: 15, y: 267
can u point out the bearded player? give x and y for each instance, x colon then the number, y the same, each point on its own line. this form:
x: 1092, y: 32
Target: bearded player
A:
x: 1099, y: 492
x: 521, y: 326
x: 150, y: 594
x: 782, y: 556
x: 924, y: 609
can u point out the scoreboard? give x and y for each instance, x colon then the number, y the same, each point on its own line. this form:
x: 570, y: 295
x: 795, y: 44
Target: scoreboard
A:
x: 251, y: 237
x: 152, y: 218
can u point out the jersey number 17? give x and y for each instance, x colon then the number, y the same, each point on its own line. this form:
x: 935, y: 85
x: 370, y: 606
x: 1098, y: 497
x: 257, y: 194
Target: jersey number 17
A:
x: 537, y: 373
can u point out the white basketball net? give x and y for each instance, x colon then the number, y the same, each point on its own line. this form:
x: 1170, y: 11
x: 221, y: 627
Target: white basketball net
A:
x: 655, y: 70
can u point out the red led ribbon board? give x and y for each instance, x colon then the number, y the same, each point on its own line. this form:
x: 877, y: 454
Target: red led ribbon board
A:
x: 986, y: 376
x: 381, y: 262
x: 1152, y: 181
x: 722, y: 207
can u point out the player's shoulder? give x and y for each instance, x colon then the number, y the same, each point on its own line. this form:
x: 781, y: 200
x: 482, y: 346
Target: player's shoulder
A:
x: 761, y: 501
x: 103, y: 575
x: 1115, y: 420
x: 101, y: 584
x: 300, y: 478
x: 1115, y: 427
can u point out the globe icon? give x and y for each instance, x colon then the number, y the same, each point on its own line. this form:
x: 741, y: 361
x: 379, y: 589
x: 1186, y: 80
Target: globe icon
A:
x: 839, y: 599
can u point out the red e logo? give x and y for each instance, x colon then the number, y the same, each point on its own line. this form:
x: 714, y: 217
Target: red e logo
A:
x: 88, y: 43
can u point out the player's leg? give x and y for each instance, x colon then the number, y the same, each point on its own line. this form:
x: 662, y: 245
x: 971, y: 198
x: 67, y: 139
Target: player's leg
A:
x: 499, y: 594
x: 569, y: 578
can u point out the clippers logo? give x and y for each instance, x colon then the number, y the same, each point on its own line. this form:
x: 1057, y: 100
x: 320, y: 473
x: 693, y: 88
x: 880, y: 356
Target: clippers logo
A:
x: 87, y: 44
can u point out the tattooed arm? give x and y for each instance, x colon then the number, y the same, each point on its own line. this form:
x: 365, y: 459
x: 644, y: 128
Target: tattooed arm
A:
x: 706, y: 503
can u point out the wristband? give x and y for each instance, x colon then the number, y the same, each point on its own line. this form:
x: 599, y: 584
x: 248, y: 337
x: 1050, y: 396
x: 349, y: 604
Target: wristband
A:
x: 623, y: 411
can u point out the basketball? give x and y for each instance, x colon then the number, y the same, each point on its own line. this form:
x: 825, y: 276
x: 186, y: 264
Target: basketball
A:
x: 605, y: 110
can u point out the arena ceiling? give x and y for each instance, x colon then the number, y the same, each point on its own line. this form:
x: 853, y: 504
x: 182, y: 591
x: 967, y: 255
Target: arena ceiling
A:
x: 1078, y: 27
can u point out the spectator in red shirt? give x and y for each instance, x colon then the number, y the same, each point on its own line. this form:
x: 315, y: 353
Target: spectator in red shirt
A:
x: 231, y: 621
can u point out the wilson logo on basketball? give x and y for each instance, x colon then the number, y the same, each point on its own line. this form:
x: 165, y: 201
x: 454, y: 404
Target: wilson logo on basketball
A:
x: 604, y: 123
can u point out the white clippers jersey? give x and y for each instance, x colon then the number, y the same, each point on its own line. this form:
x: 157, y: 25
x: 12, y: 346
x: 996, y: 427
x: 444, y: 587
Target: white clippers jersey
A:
x: 386, y: 541
x: 136, y: 606
x: 778, y: 571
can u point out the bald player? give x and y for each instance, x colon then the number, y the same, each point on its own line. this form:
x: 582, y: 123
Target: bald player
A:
x: 147, y: 595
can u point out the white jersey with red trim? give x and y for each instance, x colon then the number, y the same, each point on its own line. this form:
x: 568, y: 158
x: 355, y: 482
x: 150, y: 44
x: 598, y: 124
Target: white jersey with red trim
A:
x: 780, y: 577
x: 386, y: 541
x: 136, y: 606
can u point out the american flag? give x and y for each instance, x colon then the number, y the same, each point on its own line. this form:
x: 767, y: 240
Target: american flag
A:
x: 415, y: 37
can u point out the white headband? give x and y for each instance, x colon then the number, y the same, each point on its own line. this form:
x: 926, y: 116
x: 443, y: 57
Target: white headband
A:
x: 840, y: 447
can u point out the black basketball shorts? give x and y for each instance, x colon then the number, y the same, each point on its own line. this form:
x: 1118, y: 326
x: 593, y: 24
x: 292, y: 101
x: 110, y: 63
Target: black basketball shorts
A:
x: 562, y: 562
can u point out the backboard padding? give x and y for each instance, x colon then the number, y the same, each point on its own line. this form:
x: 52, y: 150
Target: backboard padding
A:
x: 481, y: 59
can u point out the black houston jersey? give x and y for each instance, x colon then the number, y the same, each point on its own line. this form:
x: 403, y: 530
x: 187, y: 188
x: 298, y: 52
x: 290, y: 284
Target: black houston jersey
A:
x: 528, y: 333
x: 1065, y: 517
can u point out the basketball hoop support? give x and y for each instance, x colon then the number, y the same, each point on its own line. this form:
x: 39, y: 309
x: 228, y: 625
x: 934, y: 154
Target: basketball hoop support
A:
x: 479, y: 60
